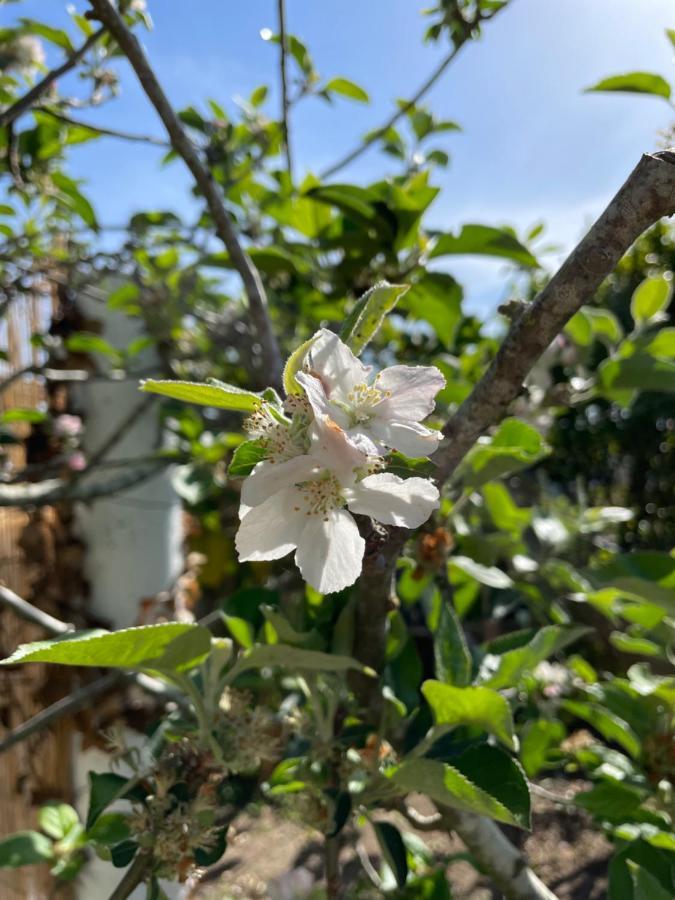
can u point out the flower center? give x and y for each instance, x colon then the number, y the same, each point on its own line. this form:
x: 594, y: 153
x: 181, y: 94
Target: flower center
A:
x: 361, y: 400
x: 282, y: 438
x: 320, y: 496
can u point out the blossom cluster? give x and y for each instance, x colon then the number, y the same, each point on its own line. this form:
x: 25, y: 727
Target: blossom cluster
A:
x: 326, y: 453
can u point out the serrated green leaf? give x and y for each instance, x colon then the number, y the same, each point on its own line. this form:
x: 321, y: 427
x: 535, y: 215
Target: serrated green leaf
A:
x: 57, y: 819
x: 649, y: 298
x: 448, y: 786
x: 512, y: 665
x: 369, y: 313
x: 479, y: 707
x: 611, y: 800
x: 220, y: 396
x: 264, y: 655
x: 24, y: 848
x: 484, y: 240
x: 633, y: 83
x: 171, y: 646
x: 452, y: 657
x: 346, y: 88
x: 606, y: 723
x: 246, y: 457
x: 293, y: 366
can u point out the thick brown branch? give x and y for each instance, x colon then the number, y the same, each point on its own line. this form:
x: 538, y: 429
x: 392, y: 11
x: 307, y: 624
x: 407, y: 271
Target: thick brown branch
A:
x: 184, y: 147
x: 23, y: 104
x: 647, y: 196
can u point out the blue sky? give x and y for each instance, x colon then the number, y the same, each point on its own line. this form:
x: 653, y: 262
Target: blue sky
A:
x: 533, y: 146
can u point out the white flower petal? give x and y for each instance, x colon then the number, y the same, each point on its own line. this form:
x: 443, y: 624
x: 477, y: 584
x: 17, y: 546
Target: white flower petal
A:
x: 413, y: 392
x: 321, y: 406
x: 392, y: 500
x: 270, y: 530
x: 409, y: 438
x: 330, y: 551
x: 267, y: 478
x: 332, y: 448
x: 334, y: 364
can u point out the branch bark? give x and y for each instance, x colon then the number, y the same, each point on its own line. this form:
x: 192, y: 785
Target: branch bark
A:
x: 30, y: 613
x: 285, y: 103
x: 184, y: 147
x: 105, y: 132
x: 23, y: 104
x: 647, y: 196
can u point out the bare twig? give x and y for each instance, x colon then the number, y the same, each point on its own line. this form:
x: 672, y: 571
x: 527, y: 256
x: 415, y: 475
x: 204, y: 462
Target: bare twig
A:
x: 45, y: 493
x: 23, y: 104
x: 106, y: 132
x: 285, y: 104
x: 647, y: 196
x: 184, y: 147
x: 30, y: 613
x: 119, y: 431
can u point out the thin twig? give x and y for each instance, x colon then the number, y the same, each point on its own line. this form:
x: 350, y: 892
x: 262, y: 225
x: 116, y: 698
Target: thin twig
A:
x: 181, y: 143
x: 106, y: 132
x: 30, y: 613
x: 285, y: 104
x: 23, y: 104
x: 404, y: 108
x: 121, y: 429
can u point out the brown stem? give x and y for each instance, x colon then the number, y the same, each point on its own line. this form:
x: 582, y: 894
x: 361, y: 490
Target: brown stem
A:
x: 133, y: 876
x: 181, y: 143
x: 23, y: 104
x: 285, y: 103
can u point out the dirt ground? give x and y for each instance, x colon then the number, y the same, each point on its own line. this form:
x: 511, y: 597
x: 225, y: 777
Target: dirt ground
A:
x: 269, y: 857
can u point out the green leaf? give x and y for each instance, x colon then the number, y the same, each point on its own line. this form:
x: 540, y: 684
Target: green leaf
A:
x: 347, y: 88
x: 640, y: 372
x: 220, y: 396
x: 662, y: 345
x: 74, y: 199
x: 447, y: 785
x: 246, y: 457
x: 241, y: 630
x: 670, y: 34
x: 289, y: 635
x: 478, y: 707
x: 264, y: 655
x: 488, y: 575
x: 393, y: 850
x: 537, y: 739
x: 18, y: 414
x: 436, y: 298
x: 650, y: 297
x: 57, y: 819
x: 24, y: 848
x: 611, y: 800
x: 633, y: 83
x: 368, y: 315
x: 609, y: 725
x: 258, y: 96
x: 109, y: 829
x: 484, y: 240
x: 104, y: 788
x: 512, y: 665
x: 56, y: 36
x: 451, y: 653
x: 514, y: 446
x: 172, y: 646
x: 293, y: 366
x: 500, y: 775
x: 88, y: 342
x: 506, y: 514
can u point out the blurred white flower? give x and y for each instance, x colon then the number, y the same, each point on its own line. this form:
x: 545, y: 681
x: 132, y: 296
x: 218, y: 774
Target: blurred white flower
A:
x: 67, y: 425
x: 379, y: 414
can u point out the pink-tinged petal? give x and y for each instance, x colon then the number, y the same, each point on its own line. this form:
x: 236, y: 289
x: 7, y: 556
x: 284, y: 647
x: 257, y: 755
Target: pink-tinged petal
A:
x: 413, y: 392
x: 332, y: 448
x: 392, y: 500
x: 330, y: 551
x: 334, y: 364
x: 267, y: 478
x: 270, y: 530
x: 409, y: 438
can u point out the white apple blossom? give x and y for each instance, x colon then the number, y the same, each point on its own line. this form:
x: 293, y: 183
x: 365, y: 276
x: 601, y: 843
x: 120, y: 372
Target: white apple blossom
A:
x: 305, y: 503
x: 385, y: 412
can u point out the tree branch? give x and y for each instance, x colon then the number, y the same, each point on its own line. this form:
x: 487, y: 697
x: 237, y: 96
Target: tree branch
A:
x: 505, y: 865
x: 30, y: 613
x: 184, y: 147
x: 23, y: 104
x: 460, y: 40
x: 285, y: 103
x: 133, y: 876
x: 106, y: 132
x: 647, y: 196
